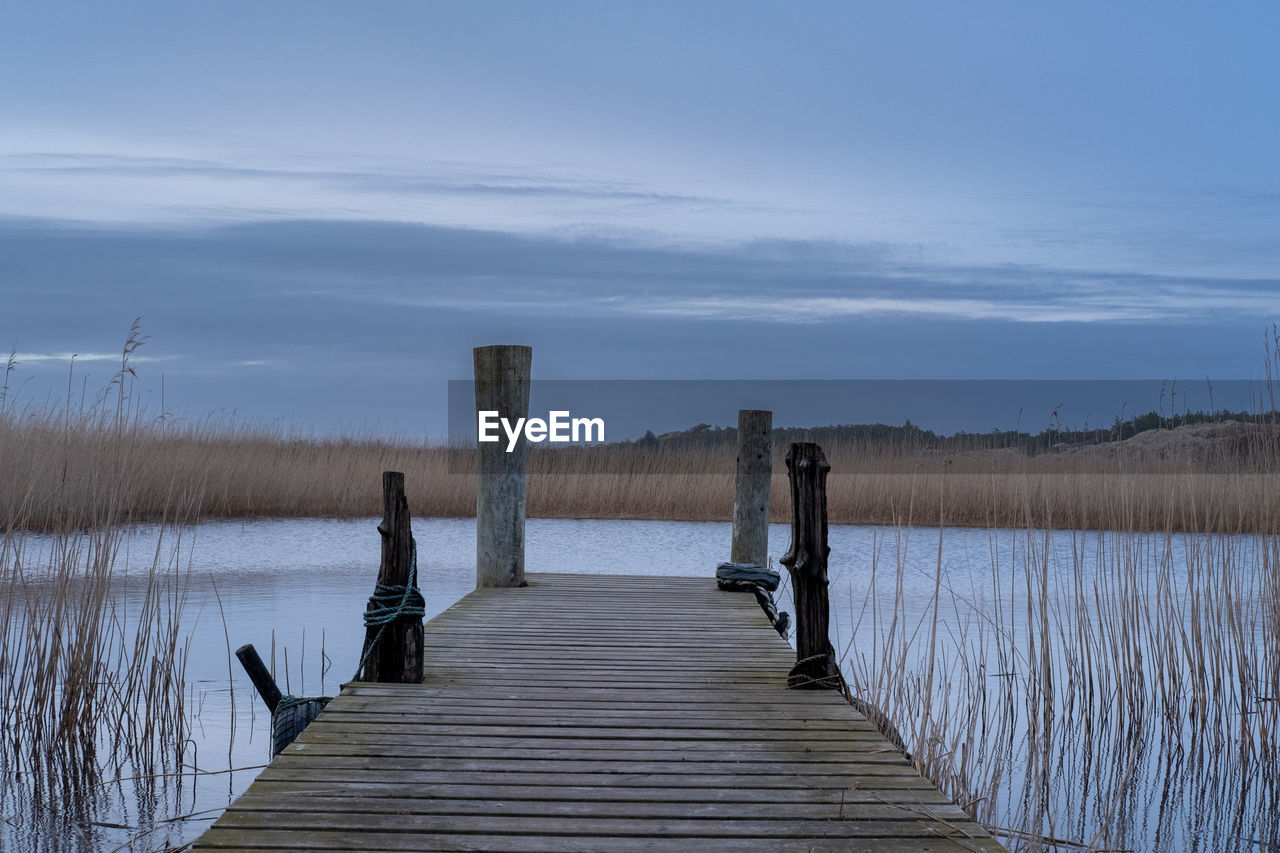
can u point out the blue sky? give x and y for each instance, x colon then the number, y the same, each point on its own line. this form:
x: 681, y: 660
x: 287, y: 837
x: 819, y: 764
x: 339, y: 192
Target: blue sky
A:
x: 296, y: 196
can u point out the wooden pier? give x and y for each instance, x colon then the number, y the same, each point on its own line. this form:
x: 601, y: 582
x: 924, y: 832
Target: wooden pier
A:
x: 600, y: 713
x: 595, y: 713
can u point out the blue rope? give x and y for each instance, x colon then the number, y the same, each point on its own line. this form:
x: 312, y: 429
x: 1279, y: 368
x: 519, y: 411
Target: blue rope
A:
x: 287, y: 702
x: 391, y: 602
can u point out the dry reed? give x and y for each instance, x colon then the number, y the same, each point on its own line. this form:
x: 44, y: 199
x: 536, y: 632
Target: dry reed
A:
x: 1105, y: 689
x: 52, y: 467
x: 1111, y: 690
x: 90, y: 690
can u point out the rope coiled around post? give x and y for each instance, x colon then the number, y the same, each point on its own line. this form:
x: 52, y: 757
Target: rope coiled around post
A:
x: 390, y: 602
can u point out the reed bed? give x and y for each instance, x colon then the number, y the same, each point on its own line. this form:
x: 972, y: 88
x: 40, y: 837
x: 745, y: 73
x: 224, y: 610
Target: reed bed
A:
x: 91, y: 690
x: 1086, y: 690
x: 57, y: 460
x: 53, y: 462
x: 1113, y: 688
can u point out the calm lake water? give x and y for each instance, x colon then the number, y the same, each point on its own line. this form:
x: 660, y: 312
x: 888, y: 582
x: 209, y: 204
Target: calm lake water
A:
x: 299, y: 587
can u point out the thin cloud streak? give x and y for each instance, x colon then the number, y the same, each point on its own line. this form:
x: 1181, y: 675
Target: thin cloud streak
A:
x: 67, y: 357
x: 1185, y: 231
x: 166, y: 190
x: 375, y: 179
x: 823, y: 309
x: 507, y: 274
x: 829, y: 309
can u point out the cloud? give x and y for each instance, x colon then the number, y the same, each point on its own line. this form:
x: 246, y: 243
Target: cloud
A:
x: 1216, y: 231
x: 79, y: 357
x: 438, y: 179
x: 836, y: 308
x: 296, y: 271
x: 1150, y: 305
x: 782, y: 282
x: 122, y: 188
x: 1172, y: 305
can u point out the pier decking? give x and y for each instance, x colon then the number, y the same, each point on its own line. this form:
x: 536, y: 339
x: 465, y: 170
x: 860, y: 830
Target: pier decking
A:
x: 595, y: 713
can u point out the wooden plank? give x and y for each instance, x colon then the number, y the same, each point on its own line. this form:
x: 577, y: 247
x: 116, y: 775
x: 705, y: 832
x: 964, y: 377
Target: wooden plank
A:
x: 910, y: 827
x: 380, y: 789
x: 373, y: 841
x: 373, y: 740
x: 503, y: 739
x: 453, y: 700
x: 855, y: 764
x: 745, y: 695
x: 336, y: 801
x: 601, y: 714
x: 304, y: 772
x: 813, y: 718
x: 670, y: 733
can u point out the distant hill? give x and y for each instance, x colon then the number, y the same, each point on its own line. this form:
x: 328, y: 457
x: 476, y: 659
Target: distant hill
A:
x: 1151, y: 433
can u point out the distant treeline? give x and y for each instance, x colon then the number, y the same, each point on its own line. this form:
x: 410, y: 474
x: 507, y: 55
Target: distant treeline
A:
x: 908, y: 437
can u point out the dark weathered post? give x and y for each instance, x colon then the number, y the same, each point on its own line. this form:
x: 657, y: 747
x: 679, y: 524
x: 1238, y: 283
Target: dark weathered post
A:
x: 806, y: 560
x: 751, y: 488
x: 393, y: 637
x: 259, y: 675
x: 502, y: 386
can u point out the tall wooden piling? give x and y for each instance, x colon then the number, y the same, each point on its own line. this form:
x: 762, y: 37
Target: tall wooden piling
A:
x: 502, y: 386
x: 393, y: 649
x: 751, y: 488
x: 806, y: 560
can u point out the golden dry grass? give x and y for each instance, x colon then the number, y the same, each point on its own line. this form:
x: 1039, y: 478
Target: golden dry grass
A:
x: 89, y: 689
x: 1090, y: 676
x: 52, y: 467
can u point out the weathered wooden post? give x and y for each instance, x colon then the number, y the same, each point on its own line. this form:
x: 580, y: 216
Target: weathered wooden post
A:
x: 393, y: 617
x: 751, y: 488
x: 260, y: 676
x: 502, y: 386
x: 806, y: 560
